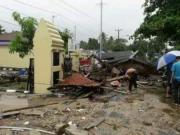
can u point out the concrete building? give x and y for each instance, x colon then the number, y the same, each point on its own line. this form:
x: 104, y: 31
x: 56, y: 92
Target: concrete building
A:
x: 8, y: 60
x: 76, y: 57
x: 49, y: 56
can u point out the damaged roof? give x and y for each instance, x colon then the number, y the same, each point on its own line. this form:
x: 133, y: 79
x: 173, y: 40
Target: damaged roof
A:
x: 119, y: 57
x: 78, y: 79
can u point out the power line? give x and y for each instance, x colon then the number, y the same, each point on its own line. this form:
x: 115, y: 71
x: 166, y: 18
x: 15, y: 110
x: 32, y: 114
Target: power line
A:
x: 79, y: 11
x: 66, y: 9
x: 62, y: 7
x: 52, y: 13
x: 9, y: 23
x: 38, y: 19
x: 12, y: 10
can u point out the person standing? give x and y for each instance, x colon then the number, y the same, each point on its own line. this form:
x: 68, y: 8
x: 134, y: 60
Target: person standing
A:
x: 175, y: 79
x: 169, y: 66
x: 132, y: 76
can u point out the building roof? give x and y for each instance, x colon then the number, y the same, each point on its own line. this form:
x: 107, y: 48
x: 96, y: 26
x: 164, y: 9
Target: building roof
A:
x: 119, y: 57
x: 8, y: 36
x: 143, y: 61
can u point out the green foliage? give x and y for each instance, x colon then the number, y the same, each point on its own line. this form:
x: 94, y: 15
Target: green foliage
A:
x: 141, y: 46
x: 119, y: 45
x: 93, y: 44
x: 2, y: 31
x: 65, y: 36
x: 109, y: 44
x: 162, y: 19
x: 84, y: 45
x: 23, y: 42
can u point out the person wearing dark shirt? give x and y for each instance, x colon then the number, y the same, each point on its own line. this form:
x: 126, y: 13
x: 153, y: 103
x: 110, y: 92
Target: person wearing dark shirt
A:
x: 169, y: 79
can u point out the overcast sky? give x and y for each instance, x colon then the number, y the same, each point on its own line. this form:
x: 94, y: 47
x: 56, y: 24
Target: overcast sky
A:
x: 117, y: 14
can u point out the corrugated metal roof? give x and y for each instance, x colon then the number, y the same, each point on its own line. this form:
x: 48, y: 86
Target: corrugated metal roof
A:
x: 119, y: 57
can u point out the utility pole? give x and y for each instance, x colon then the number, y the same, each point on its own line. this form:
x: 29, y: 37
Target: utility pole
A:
x: 53, y: 19
x: 101, y: 29
x: 53, y: 16
x: 75, y: 36
x: 118, y: 32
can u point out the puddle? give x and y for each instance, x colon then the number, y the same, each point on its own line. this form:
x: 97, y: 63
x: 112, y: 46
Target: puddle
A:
x: 167, y: 111
x: 101, y: 113
x: 118, y: 98
x: 116, y: 115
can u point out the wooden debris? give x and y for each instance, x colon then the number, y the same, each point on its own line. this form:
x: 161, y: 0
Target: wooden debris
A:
x: 116, y: 78
x: 8, y: 114
x: 29, y: 107
x: 146, y: 87
x: 34, y: 113
x: 122, y: 92
x: 28, y: 129
x: 94, y: 124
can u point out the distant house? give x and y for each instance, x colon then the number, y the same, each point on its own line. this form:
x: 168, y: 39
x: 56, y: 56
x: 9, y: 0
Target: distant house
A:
x: 90, y: 52
x: 8, y: 60
x: 6, y: 38
x: 129, y: 59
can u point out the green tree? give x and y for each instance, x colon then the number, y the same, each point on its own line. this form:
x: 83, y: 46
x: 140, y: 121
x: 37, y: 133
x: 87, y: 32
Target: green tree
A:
x: 119, y: 45
x: 84, y: 45
x: 162, y: 19
x: 23, y: 42
x: 93, y: 44
x: 2, y: 31
x: 65, y: 36
x: 141, y: 46
x: 109, y: 43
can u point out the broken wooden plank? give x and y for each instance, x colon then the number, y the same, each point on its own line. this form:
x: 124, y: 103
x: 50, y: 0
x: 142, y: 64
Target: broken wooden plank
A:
x: 146, y: 87
x: 112, y: 88
x: 28, y: 129
x: 116, y: 78
x: 88, y: 94
x: 28, y: 107
x: 8, y: 114
x: 94, y: 124
x: 122, y: 92
x: 33, y: 113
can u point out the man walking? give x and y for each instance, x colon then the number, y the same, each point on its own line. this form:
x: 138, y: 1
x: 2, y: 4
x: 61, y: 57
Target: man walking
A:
x: 132, y: 76
x: 175, y: 79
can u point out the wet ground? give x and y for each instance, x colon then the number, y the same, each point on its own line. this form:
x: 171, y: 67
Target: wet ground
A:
x: 146, y: 112
x: 11, y: 102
